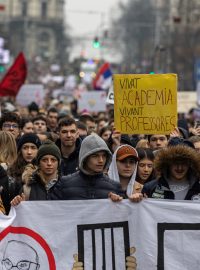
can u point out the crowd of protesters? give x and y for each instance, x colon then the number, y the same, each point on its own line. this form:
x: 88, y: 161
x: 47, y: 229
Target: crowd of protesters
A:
x: 51, y: 155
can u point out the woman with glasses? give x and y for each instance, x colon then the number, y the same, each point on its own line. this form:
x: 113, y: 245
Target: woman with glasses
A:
x: 11, y: 122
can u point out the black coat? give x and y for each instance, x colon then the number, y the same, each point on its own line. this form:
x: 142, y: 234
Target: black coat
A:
x: 159, y: 189
x: 35, y: 189
x: 5, y: 194
x: 70, y: 164
x: 80, y: 186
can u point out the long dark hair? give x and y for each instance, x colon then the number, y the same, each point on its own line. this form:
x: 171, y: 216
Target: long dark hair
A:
x: 148, y: 154
x: 18, y: 167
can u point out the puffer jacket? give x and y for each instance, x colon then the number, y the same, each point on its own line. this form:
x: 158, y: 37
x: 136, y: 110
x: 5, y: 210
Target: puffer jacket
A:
x: 159, y: 188
x: 83, y: 184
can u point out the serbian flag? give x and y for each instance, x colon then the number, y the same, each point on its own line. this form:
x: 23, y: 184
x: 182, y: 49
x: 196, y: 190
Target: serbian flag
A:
x: 103, y: 79
x: 14, y: 78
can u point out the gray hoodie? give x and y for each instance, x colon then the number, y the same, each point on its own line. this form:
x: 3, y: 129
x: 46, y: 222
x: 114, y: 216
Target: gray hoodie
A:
x: 90, y: 145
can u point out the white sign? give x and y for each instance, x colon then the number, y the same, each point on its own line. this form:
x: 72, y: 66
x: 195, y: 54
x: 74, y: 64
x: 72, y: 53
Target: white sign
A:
x: 110, y: 96
x: 4, y: 56
x: 92, y: 101
x: 29, y: 93
x: 186, y: 101
x: 100, y: 233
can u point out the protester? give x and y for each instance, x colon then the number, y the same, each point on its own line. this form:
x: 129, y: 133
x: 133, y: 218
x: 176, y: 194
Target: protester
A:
x: 123, y: 168
x: 33, y: 109
x: 47, y: 135
x: 179, y: 170
x: 89, y: 182
x: 41, y: 182
x: 69, y: 144
x: 82, y: 129
x: 90, y: 123
x: 39, y: 124
x: 143, y: 143
x: 8, y: 155
x: 117, y: 138
x: 26, y: 126
x: 145, y: 172
x: 52, y: 119
x: 105, y: 133
x: 11, y: 122
x: 101, y: 122
x: 27, y: 151
x: 157, y: 142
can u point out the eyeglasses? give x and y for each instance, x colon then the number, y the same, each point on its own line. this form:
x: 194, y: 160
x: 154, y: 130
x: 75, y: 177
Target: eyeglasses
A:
x: 22, y: 265
x: 14, y: 126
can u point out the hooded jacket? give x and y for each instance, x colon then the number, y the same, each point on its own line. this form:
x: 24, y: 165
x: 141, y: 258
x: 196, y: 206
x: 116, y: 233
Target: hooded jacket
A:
x: 159, y: 188
x: 82, y: 184
x: 93, y: 144
x: 114, y: 174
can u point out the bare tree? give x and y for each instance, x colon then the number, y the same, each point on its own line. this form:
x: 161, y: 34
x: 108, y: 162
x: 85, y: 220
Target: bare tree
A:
x: 134, y: 33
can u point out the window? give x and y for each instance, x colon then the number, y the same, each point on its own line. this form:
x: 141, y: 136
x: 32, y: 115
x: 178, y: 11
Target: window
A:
x: 24, y: 8
x: 43, y: 9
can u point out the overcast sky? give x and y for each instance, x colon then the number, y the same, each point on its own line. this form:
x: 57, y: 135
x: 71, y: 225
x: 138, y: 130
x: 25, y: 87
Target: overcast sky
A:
x: 85, y: 16
x: 88, y: 18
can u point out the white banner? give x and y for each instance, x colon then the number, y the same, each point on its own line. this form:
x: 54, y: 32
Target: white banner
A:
x: 48, y: 235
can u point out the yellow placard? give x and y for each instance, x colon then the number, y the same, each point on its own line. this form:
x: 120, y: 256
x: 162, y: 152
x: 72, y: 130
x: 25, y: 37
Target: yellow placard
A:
x: 145, y: 103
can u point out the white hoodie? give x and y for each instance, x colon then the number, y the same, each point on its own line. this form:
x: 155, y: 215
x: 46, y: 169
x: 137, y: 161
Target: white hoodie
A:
x: 113, y: 172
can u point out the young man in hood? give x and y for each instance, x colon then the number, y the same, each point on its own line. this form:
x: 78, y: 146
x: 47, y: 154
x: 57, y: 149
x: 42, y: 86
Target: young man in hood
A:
x: 179, y: 170
x: 89, y: 182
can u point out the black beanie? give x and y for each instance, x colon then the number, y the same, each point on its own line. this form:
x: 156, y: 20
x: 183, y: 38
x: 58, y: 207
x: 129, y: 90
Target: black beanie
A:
x: 33, y: 107
x: 48, y: 148
x: 28, y: 138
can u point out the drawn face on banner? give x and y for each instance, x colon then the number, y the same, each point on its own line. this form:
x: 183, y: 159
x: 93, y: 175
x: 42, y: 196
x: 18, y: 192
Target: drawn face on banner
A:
x: 24, y: 249
x: 27, y: 259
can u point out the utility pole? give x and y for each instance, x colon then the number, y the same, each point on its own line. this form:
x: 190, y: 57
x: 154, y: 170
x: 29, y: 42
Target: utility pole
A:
x: 157, y: 38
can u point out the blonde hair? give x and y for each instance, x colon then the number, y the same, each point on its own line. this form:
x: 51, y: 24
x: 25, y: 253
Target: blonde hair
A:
x: 8, y: 148
x: 143, y: 143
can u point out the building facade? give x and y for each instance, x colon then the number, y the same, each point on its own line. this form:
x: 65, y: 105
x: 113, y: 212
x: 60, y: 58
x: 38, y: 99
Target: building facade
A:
x: 35, y: 27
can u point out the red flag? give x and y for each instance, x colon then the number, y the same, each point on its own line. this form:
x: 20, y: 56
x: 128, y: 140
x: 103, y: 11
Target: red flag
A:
x: 14, y: 78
